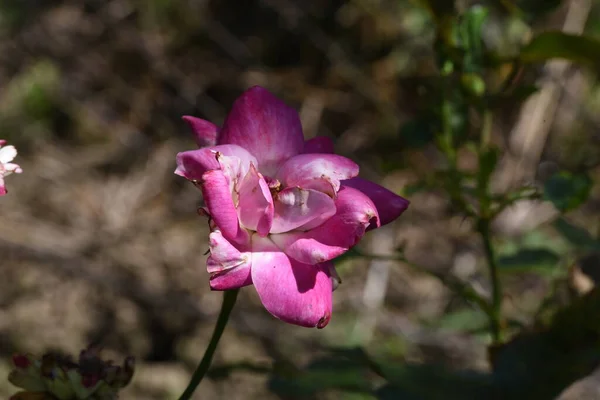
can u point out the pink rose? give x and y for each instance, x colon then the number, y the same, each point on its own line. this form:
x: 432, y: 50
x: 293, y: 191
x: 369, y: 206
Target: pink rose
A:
x: 280, y: 208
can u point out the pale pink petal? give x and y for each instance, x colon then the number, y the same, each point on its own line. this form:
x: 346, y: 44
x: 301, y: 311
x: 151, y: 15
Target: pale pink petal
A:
x: 355, y: 212
x: 255, y: 208
x: 389, y: 205
x: 321, y: 172
x: 10, y: 168
x: 297, y: 293
x: 205, y: 132
x: 233, y: 278
x: 192, y: 164
x: 224, y: 255
x: 319, y: 144
x: 265, y: 126
x: 7, y: 154
x: 295, y: 207
x: 217, y: 196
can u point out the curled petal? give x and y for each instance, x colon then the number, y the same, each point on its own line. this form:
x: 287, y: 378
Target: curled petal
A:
x: 233, y: 278
x: 228, y: 267
x: 255, y: 208
x: 194, y: 163
x: 205, y: 132
x: 389, y: 205
x: 295, y: 207
x: 297, y: 293
x: 265, y: 126
x: 355, y: 212
x: 224, y: 255
x: 217, y: 195
x: 321, y: 172
x: 319, y: 144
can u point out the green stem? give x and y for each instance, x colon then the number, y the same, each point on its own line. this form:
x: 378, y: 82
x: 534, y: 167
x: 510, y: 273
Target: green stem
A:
x: 483, y: 227
x: 229, y: 298
x: 486, y: 129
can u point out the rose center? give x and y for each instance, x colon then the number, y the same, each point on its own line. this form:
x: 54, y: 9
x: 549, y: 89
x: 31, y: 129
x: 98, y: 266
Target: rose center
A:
x: 274, y: 186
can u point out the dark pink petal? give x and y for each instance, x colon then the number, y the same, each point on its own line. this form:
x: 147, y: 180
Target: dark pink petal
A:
x: 319, y: 144
x: 295, y: 207
x: 322, y: 172
x: 193, y: 164
x: 205, y: 132
x: 255, y: 208
x: 355, y: 212
x: 297, y: 293
x: 265, y: 126
x: 217, y: 196
x: 233, y: 278
x: 224, y: 255
x: 389, y: 205
x: 2, y: 187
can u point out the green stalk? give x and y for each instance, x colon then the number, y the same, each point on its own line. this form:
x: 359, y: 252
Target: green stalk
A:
x: 229, y: 298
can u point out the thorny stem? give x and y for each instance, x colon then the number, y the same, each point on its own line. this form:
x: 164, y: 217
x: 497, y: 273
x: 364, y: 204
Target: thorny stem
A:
x: 229, y: 298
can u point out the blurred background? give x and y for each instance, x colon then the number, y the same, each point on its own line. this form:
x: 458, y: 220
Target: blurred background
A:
x: 100, y: 241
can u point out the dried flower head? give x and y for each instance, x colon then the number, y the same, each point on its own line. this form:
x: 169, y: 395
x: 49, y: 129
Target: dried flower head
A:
x: 56, y: 377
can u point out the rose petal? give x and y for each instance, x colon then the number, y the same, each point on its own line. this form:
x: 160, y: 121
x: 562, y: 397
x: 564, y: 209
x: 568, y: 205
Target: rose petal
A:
x: 205, y: 132
x: 265, y: 126
x: 7, y: 154
x: 192, y: 164
x: 217, y: 196
x: 233, y: 278
x: 295, y: 207
x: 319, y: 144
x: 355, y: 212
x: 321, y: 172
x: 389, y: 204
x: 224, y: 255
x: 293, y: 292
x: 255, y: 207
x: 2, y: 187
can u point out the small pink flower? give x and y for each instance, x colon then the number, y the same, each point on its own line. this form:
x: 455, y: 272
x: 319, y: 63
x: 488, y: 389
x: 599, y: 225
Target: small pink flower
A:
x: 7, y: 154
x: 281, y: 208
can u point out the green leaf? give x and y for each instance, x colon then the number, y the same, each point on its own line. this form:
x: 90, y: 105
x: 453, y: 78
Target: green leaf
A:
x: 409, y: 381
x: 345, y: 369
x: 578, y: 237
x: 526, y: 260
x: 567, y: 190
x: 548, y: 45
x: 542, y: 363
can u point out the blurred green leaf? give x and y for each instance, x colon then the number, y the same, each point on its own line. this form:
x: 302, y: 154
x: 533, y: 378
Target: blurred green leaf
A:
x: 548, y: 45
x: 567, y: 190
x: 541, y: 364
x: 429, y: 382
x: 527, y: 260
x: 345, y: 369
x: 578, y: 237
x: 462, y: 320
